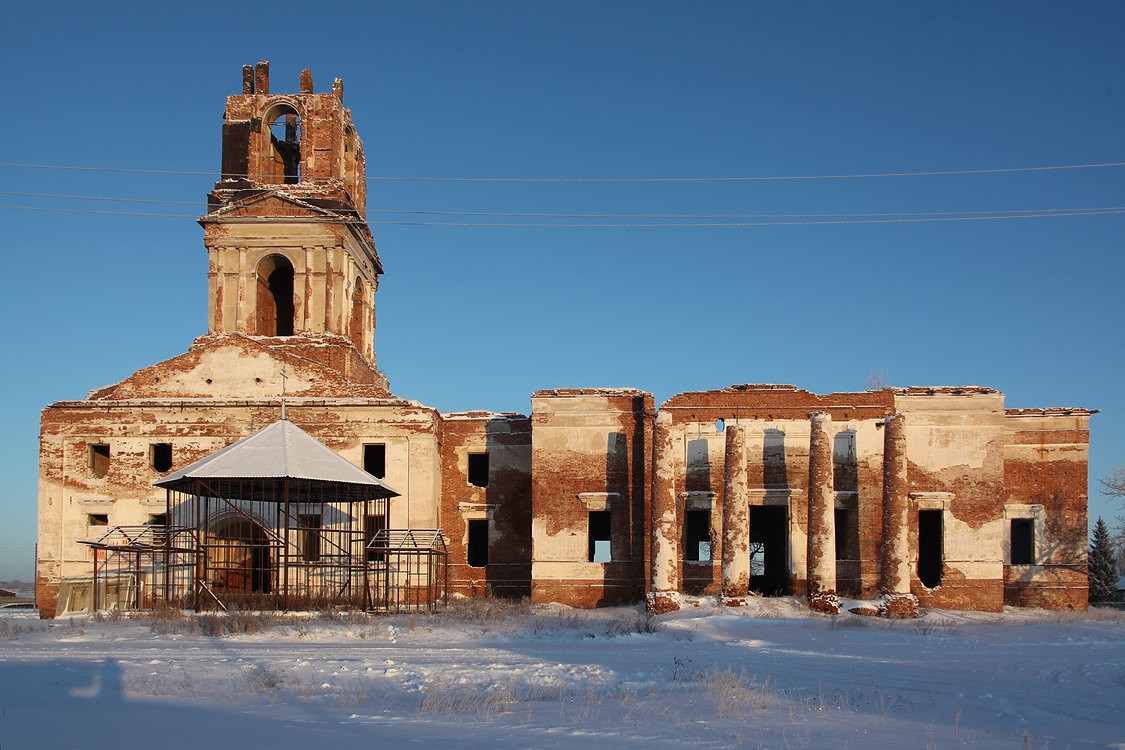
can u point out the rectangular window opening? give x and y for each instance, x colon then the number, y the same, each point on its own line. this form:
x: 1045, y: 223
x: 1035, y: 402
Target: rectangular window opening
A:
x: 600, y: 535
x: 844, y: 467
x: 97, y: 519
x: 160, y: 456
x: 1023, y: 541
x: 308, y: 531
x: 477, y: 552
x: 697, y: 536
x: 478, y: 469
x: 930, y: 548
x: 375, y: 460
x: 775, y: 473
x: 372, y: 525
x: 99, y: 460
x: 842, y: 534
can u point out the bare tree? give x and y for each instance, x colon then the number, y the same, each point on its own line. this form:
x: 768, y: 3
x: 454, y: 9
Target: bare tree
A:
x: 876, y: 380
x: 1117, y: 536
x: 1114, y: 484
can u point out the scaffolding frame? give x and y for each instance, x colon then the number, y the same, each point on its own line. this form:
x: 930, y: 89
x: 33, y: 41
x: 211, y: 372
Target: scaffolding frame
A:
x: 279, y: 544
x: 272, y: 543
x: 412, y: 569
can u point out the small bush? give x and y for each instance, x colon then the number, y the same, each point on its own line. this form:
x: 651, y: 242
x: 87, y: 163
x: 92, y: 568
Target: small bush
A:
x: 482, y: 609
x: 263, y: 680
x: 734, y: 693
x: 10, y: 631
x: 446, y: 697
x: 641, y: 621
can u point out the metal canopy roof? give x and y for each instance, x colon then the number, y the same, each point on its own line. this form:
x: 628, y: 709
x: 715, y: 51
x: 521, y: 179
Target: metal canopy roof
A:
x: 280, y: 451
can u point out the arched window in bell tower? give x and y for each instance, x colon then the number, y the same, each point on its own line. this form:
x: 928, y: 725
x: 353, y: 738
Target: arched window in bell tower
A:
x: 284, y: 127
x: 275, y: 296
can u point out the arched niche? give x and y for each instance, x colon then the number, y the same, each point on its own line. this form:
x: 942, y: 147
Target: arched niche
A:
x: 356, y: 321
x: 275, y: 305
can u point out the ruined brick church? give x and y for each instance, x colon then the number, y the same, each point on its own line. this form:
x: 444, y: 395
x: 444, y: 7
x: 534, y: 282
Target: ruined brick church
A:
x: 931, y: 496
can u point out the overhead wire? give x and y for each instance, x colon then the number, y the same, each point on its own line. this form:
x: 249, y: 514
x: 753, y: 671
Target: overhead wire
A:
x: 629, y: 221
x: 758, y: 178
x: 855, y: 219
x: 527, y: 214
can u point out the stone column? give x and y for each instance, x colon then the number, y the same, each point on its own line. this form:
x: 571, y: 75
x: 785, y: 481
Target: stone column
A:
x: 894, y: 570
x: 665, y: 522
x: 821, y: 551
x: 736, y: 517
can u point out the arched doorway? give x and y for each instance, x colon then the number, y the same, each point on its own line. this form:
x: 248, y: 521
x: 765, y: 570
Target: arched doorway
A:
x: 275, y: 296
x: 238, y: 557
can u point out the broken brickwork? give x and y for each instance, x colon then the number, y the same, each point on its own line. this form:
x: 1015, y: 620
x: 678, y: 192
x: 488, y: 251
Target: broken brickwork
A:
x: 490, y: 512
x: 590, y: 455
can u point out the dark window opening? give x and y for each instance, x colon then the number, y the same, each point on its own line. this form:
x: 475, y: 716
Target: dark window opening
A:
x: 842, y: 534
x: 478, y: 469
x: 375, y: 460
x: 599, y: 548
x: 930, y: 547
x: 97, y: 519
x: 99, y: 460
x: 309, y: 537
x: 160, y: 455
x: 275, y: 296
x: 372, y: 525
x: 697, y: 536
x: 1023, y: 541
x: 477, y: 552
x: 159, y: 520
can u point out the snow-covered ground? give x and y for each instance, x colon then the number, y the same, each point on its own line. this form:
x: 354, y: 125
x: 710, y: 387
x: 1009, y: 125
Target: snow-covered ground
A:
x: 489, y: 675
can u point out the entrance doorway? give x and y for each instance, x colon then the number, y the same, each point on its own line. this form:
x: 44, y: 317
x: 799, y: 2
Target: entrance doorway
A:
x: 238, y: 556
x: 930, y: 548
x: 769, y: 550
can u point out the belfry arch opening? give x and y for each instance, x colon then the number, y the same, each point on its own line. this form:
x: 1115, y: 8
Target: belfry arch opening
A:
x: 275, y: 296
x: 283, y: 125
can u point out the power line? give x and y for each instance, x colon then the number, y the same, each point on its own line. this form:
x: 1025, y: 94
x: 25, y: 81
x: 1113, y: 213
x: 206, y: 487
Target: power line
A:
x: 58, y: 196
x: 1043, y: 211
x: 773, y: 178
x: 100, y: 213
x: 556, y: 215
x: 770, y: 178
x: 1046, y: 214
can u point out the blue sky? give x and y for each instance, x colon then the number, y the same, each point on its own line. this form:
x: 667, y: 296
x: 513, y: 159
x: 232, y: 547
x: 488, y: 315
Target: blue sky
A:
x: 479, y: 317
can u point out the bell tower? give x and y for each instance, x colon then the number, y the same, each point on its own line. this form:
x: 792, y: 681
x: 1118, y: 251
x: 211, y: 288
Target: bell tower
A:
x: 290, y: 250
